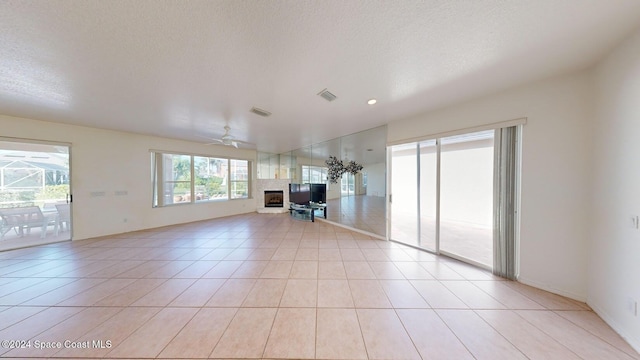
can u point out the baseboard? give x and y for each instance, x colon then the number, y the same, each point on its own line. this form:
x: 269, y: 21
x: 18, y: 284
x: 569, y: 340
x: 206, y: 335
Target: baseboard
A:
x: 272, y: 210
x: 545, y: 287
x: 352, y: 229
x: 633, y: 342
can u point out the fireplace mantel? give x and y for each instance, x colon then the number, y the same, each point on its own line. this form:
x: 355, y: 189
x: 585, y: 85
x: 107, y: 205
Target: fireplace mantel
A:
x: 272, y: 184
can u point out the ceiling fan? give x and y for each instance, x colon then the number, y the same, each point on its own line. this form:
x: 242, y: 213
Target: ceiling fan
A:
x: 228, y: 139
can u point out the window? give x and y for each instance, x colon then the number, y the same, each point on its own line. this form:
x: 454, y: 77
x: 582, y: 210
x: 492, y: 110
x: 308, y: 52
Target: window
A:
x: 314, y: 174
x: 211, y: 176
x: 176, y: 179
x: 179, y: 178
x: 239, y: 179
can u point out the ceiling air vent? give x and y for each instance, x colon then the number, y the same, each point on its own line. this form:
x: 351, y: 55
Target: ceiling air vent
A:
x: 325, y: 94
x: 260, y: 112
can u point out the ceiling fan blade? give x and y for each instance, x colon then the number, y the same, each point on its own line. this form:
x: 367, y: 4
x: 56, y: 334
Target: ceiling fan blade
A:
x: 205, y: 137
x: 215, y: 141
x: 226, y: 139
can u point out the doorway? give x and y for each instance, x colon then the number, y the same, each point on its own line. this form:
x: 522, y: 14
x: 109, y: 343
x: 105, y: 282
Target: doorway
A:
x: 466, y: 197
x: 35, y: 193
x: 347, y: 185
x: 442, y: 196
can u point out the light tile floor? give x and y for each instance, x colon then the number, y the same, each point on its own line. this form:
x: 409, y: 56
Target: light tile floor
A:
x: 362, y: 212
x: 268, y: 286
x: 12, y: 240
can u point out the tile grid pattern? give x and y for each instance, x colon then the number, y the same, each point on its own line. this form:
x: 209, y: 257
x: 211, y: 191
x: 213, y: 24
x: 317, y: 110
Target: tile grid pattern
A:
x: 268, y: 286
x: 362, y: 212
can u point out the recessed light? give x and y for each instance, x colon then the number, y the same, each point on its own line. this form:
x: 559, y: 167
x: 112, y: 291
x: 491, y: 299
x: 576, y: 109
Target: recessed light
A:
x: 372, y: 101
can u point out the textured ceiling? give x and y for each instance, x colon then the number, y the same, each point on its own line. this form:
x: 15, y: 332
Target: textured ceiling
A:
x: 184, y: 69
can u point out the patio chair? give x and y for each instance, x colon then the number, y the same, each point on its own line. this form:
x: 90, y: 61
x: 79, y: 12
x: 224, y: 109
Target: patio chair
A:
x: 24, y: 218
x: 64, y: 217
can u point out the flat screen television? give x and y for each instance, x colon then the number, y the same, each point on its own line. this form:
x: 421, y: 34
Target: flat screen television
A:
x: 303, y: 193
x: 299, y: 193
x: 319, y: 193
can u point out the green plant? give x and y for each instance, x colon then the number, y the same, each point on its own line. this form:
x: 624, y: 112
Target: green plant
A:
x: 51, y: 192
x: 17, y: 198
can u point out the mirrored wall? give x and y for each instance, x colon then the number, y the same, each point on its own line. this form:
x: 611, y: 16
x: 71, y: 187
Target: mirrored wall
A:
x: 355, y: 200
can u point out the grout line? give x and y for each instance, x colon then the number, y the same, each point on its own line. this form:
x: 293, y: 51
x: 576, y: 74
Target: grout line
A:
x: 157, y: 250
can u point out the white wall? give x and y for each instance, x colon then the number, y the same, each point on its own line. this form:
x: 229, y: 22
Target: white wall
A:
x: 112, y: 161
x: 614, y: 262
x: 555, y: 171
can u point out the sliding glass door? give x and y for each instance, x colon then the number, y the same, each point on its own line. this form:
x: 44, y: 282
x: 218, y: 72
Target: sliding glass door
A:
x: 404, y: 200
x: 35, y: 200
x: 442, y: 195
x: 466, y: 196
x: 428, y: 188
x: 348, y: 185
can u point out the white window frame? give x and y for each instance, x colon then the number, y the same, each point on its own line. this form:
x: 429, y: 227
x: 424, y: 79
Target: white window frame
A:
x: 233, y: 182
x: 307, y: 169
x: 158, y: 182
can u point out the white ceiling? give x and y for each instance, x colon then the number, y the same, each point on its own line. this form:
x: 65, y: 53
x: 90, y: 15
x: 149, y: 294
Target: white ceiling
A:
x: 181, y: 69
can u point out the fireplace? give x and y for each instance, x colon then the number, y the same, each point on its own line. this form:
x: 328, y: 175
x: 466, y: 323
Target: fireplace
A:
x: 273, y: 198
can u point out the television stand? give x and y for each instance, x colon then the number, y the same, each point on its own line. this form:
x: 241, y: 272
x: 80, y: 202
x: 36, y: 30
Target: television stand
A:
x: 307, y: 212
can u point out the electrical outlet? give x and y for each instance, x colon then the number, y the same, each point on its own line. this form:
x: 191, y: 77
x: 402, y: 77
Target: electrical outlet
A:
x: 635, y: 221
